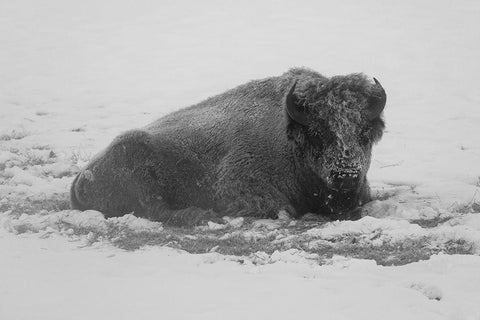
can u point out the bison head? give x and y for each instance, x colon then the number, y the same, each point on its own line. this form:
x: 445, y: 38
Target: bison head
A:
x: 333, y: 125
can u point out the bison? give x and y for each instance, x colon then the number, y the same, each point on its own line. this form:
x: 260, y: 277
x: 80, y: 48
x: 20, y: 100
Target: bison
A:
x: 299, y: 142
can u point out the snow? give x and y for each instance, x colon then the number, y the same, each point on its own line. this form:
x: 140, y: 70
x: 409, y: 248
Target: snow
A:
x: 378, y: 232
x: 55, y: 279
x: 76, y: 74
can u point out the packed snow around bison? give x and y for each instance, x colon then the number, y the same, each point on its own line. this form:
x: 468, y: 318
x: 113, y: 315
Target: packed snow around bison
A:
x: 76, y: 75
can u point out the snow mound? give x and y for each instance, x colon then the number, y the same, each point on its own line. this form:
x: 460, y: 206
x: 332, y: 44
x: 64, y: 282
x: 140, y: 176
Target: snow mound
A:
x: 464, y: 230
x: 398, y: 229
x: 92, y: 220
x: 294, y: 256
x: 74, y: 222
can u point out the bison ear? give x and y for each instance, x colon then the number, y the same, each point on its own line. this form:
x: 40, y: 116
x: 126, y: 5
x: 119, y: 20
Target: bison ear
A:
x: 379, y: 99
x: 292, y: 108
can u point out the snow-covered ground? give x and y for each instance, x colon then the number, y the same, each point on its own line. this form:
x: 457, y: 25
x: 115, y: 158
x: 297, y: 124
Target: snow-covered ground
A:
x: 55, y: 279
x: 73, y: 74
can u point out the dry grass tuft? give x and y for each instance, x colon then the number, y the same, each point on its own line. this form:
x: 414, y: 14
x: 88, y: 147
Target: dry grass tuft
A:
x: 14, y: 135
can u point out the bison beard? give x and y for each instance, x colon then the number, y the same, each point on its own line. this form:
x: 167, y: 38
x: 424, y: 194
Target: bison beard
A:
x: 299, y: 142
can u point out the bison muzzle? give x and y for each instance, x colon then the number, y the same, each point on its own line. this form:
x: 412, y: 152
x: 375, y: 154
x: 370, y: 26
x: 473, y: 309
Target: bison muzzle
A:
x: 300, y: 142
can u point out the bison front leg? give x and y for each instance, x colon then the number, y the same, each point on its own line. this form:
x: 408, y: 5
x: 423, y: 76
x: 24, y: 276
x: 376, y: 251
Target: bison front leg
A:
x: 245, y: 187
x: 187, y: 217
x: 253, y: 198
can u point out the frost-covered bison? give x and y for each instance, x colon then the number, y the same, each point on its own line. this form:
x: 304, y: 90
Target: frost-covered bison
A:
x: 299, y: 142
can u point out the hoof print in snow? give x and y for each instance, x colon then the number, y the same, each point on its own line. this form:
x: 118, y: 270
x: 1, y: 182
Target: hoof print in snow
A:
x: 432, y: 292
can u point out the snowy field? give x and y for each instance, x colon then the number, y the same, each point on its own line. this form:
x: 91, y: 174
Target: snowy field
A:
x: 74, y: 74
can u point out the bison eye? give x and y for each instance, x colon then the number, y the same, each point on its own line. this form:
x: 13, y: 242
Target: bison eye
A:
x: 366, y: 137
x: 372, y: 133
x: 365, y: 140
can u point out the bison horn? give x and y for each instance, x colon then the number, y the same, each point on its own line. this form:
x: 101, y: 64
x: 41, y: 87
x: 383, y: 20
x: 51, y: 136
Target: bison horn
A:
x: 292, y: 108
x: 379, y: 102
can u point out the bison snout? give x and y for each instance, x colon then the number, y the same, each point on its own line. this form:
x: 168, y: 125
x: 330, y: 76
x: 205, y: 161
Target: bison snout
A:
x: 347, y: 179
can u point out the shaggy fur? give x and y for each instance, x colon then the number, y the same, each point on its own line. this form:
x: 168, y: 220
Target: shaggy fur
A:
x: 239, y: 153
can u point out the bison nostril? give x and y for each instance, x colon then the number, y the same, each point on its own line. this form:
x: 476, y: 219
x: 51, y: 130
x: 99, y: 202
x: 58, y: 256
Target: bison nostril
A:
x: 345, y: 179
